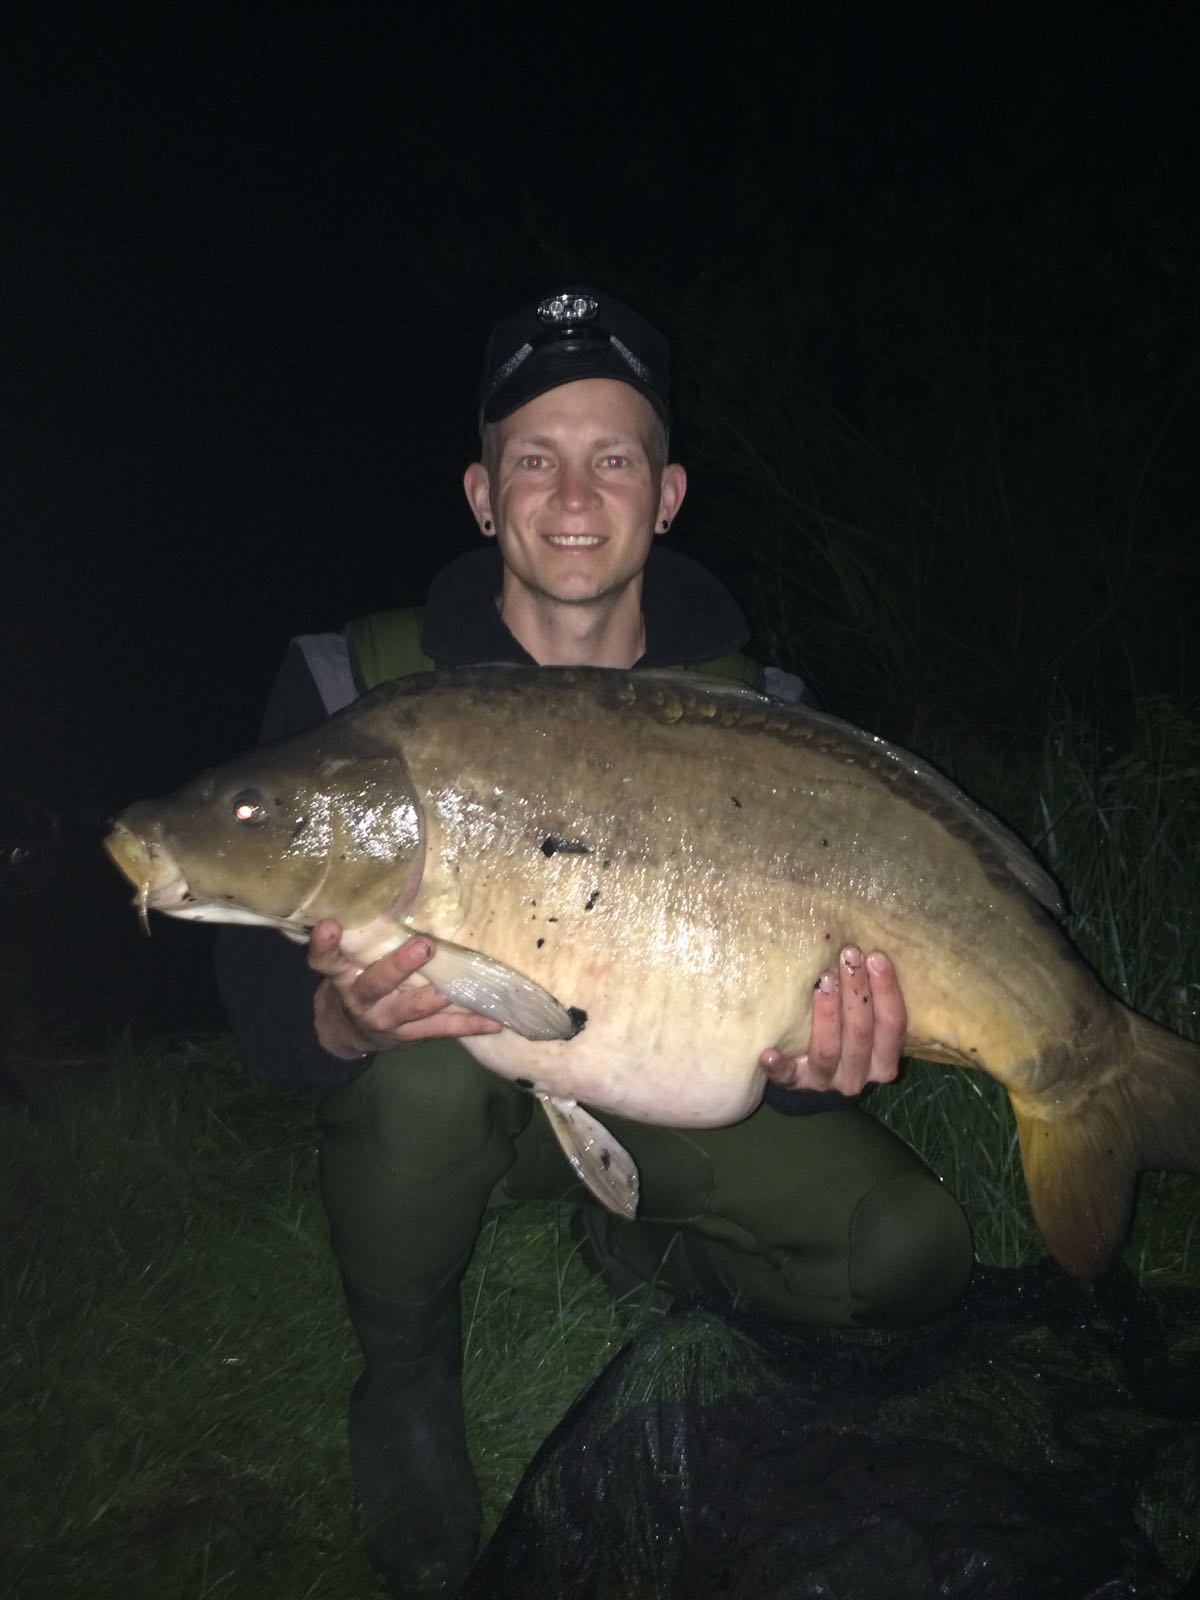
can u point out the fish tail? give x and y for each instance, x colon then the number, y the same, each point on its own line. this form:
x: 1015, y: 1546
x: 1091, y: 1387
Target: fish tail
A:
x: 1081, y: 1165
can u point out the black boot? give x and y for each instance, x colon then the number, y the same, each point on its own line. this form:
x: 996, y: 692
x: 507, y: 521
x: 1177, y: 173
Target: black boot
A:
x: 646, y: 1266
x: 418, y: 1499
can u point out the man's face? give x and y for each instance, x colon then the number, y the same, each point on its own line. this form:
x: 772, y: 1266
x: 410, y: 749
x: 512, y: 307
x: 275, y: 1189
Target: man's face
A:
x: 576, y: 493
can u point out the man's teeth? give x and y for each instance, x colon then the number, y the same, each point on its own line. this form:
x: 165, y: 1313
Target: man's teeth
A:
x: 572, y: 539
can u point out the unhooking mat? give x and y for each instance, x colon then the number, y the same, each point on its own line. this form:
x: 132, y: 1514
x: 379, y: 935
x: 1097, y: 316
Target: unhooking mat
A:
x: 1042, y: 1441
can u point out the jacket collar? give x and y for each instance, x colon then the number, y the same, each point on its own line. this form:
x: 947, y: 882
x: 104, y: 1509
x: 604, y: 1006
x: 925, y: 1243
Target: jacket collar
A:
x: 690, y: 615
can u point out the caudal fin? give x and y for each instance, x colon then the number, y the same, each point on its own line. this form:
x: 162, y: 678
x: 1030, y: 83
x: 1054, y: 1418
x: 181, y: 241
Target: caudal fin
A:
x: 1081, y: 1165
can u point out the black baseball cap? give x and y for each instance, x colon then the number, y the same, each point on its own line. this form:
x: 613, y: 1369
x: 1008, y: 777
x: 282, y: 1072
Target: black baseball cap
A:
x: 576, y: 332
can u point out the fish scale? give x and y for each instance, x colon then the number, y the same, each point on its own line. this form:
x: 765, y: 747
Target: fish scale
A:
x: 642, y: 875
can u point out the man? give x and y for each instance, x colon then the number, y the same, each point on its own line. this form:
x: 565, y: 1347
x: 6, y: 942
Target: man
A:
x: 821, y: 1216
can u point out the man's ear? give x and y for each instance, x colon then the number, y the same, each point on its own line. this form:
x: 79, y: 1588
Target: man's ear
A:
x: 479, y: 497
x: 671, y: 494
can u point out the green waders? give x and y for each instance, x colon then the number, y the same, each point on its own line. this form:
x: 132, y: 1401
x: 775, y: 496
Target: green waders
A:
x: 821, y: 1219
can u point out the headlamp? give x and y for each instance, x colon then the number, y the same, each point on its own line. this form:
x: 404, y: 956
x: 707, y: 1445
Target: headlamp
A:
x: 571, y: 334
x: 569, y: 324
x: 567, y: 310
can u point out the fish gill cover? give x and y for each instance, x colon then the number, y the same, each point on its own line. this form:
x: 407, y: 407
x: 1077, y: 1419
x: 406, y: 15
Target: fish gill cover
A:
x: 1042, y: 1439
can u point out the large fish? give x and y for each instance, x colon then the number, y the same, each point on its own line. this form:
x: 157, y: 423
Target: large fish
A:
x: 642, y: 875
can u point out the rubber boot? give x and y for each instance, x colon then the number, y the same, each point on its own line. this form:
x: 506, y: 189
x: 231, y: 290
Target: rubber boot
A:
x: 646, y: 1268
x: 417, y: 1495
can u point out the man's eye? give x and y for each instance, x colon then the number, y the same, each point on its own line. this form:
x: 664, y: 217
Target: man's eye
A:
x: 616, y: 461
x: 532, y: 463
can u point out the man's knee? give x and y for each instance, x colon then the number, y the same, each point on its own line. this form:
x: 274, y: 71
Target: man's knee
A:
x: 420, y: 1113
x: 911, y: 1252
x: 410, y: 1153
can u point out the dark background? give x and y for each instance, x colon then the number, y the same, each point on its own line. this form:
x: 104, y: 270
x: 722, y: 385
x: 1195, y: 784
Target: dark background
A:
x: 253, y: 252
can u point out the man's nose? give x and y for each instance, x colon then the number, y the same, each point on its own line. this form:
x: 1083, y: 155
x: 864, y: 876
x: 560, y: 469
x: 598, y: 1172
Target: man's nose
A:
x: 576, y: 487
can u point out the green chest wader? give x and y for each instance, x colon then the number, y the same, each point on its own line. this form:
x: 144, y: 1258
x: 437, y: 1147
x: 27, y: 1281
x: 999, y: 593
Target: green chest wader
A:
x: 825, y: 1218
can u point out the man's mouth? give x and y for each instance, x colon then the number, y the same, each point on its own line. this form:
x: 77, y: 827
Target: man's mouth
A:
x: 574, y: 541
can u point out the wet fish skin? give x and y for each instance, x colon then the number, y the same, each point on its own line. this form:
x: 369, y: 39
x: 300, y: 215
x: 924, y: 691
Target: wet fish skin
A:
x: 679, y: 861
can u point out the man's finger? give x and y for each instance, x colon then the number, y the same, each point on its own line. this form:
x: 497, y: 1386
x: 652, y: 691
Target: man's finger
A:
x: 825, y: 1040
x: 399, y: 1006
x: 858, y: 1022
x: 448, y: 1025
x: 787, y: 1071
x: 324, y: 948
x: 891, y: 1019
x: 384, y: 976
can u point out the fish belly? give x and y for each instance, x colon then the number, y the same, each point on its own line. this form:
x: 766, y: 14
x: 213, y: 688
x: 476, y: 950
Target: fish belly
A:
x: 642, y: 1075
x: 678, y: 1005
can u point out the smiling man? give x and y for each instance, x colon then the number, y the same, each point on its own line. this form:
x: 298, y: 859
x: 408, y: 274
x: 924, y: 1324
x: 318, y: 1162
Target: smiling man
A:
x: 807, y: 1211
x: 574, y: 485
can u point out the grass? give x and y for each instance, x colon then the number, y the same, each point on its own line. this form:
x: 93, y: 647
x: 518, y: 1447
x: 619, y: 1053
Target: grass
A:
x: 939, y: 490
x: 174, y: 1351
x: 1115, y: 818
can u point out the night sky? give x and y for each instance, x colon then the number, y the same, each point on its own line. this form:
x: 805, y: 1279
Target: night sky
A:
x: 253, y: 252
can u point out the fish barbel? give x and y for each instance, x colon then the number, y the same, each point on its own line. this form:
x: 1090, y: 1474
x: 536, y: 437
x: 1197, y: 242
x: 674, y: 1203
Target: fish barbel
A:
x: 642, y: 875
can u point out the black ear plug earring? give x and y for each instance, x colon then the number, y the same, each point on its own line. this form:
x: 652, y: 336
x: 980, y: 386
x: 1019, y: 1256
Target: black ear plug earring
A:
x: 487, y: 526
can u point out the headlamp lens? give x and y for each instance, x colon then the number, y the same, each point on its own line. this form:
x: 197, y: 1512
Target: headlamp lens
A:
x: 560, y: 310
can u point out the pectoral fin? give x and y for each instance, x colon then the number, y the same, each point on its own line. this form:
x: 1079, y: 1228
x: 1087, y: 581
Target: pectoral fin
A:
x: 478, y: 983
x: 600, y: 1163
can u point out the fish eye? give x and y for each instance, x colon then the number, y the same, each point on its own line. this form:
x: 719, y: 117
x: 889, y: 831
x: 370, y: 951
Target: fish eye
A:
x: 249, y: 806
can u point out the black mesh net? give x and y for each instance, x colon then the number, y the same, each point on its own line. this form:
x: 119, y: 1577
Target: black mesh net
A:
x: 1042, y: 1440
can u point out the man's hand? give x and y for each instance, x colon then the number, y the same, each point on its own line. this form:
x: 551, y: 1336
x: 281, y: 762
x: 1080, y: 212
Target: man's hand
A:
x: 359, y: 1009
x: 858, y: 1028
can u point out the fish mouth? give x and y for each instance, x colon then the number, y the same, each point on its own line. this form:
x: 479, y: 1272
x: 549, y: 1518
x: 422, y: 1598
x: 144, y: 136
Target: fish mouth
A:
x: 150, y: 868
x: 162, y: 885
